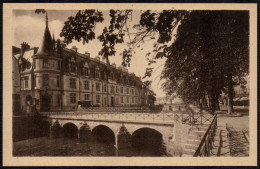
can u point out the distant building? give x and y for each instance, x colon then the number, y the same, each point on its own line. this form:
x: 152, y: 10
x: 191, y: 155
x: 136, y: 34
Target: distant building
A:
x: 149, y: 97
x: 240, y: 94
x: 20, y: 56
x: 16, y: 52
x: 164, y: 100
x: 56, y: 78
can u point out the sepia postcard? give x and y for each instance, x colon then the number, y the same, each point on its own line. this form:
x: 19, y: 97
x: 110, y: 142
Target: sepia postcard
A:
x: 128, y: 84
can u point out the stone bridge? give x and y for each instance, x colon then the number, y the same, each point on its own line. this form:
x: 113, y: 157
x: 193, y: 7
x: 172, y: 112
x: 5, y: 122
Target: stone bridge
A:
x: 122, y: 129
x: 125, y: 130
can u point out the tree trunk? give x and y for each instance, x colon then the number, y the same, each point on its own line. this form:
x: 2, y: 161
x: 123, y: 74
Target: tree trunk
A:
x: 209, y: 102
x: 217, y: 104
x: 213, y: 104
x: 230, y: 95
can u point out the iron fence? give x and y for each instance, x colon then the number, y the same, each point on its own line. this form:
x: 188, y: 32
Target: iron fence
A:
x: 206, y: 144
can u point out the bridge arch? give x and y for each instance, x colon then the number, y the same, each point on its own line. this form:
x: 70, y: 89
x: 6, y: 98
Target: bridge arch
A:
x: 147, y: 141
x: 70, y: 130
x: 103, y: 134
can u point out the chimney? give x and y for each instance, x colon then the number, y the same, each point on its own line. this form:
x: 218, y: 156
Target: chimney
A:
x: 120, y: 67
x: 97, y: 58
x: 24, y: 47
x: 74, y: 48
x: 87, y: 54
x: 113, y: 64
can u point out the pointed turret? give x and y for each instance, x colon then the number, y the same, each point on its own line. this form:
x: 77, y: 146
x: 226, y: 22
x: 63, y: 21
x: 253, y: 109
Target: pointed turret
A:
x: 47, y: 43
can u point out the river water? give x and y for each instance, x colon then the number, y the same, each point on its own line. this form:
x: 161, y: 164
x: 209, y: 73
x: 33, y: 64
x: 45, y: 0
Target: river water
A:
x: 45, y: 146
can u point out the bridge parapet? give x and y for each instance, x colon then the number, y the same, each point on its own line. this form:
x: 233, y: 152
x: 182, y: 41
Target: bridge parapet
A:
x: 126, y: 116
x: 190, y: 117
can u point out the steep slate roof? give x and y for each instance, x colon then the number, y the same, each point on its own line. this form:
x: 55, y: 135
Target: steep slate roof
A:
x: 16, y: 50
x: 47, y: 43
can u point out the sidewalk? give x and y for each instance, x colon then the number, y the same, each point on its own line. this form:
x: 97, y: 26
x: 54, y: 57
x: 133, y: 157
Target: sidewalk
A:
x: 232, y: 135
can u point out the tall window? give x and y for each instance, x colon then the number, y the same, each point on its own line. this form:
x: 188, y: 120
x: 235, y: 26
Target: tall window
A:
x: 86, y: 96
x: 133, y: 100
x: 127, y: 99
x: 45, y: 79
x: 122, y: 99
x: 97, y: 86
x: 45, y: 63
x: 97, y: 98
x: 58, y: 100
x: 58, y: 81
x: 121, y: 90
x: 59, y: 66
x: 85, y: 69
x: 127, y: 90
x: 73, y: 98
x: 105, y: 101
x: 26, y: 81
x: 112, y: 89
x: 116, y: 89
x: 86, y: 85
x: 34, y: 64
x: 105, y: 88
x: 132, y: 91
x: 72, y: 83
x: 34, y: 81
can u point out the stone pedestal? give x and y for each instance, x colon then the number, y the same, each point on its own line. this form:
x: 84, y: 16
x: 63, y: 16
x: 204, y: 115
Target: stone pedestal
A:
x: 123, y: 141
x: 56, y: 130
x: 84, y: 133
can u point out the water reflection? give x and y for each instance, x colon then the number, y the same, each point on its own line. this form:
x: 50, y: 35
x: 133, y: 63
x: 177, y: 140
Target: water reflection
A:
x: 72, y: 147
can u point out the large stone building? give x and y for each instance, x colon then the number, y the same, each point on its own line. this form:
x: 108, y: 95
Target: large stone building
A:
x: 57, y: 78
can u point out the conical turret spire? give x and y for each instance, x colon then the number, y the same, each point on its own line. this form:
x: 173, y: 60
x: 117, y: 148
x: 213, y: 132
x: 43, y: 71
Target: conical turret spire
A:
x: 46, y: 19
x: 47, y: 43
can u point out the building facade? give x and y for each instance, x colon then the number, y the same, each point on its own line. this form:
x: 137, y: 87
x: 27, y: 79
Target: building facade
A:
x: 57, y: 78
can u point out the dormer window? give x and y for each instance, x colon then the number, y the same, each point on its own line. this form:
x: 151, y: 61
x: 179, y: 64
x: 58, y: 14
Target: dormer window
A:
x: 97, y: 72
x: 111, y: 75
x: 85, y: 69
x: 72, y: 66
x: 104, y: 75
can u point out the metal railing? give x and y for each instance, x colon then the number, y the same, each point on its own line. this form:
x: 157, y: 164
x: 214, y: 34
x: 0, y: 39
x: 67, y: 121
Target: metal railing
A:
x: 206, y: 144
x: 185, y: 117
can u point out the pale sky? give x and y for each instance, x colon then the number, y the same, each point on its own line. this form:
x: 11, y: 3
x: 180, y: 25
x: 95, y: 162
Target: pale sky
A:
x: 29, y: 27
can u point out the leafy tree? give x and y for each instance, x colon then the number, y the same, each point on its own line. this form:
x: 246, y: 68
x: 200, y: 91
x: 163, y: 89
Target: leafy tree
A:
x: 209, y: 50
